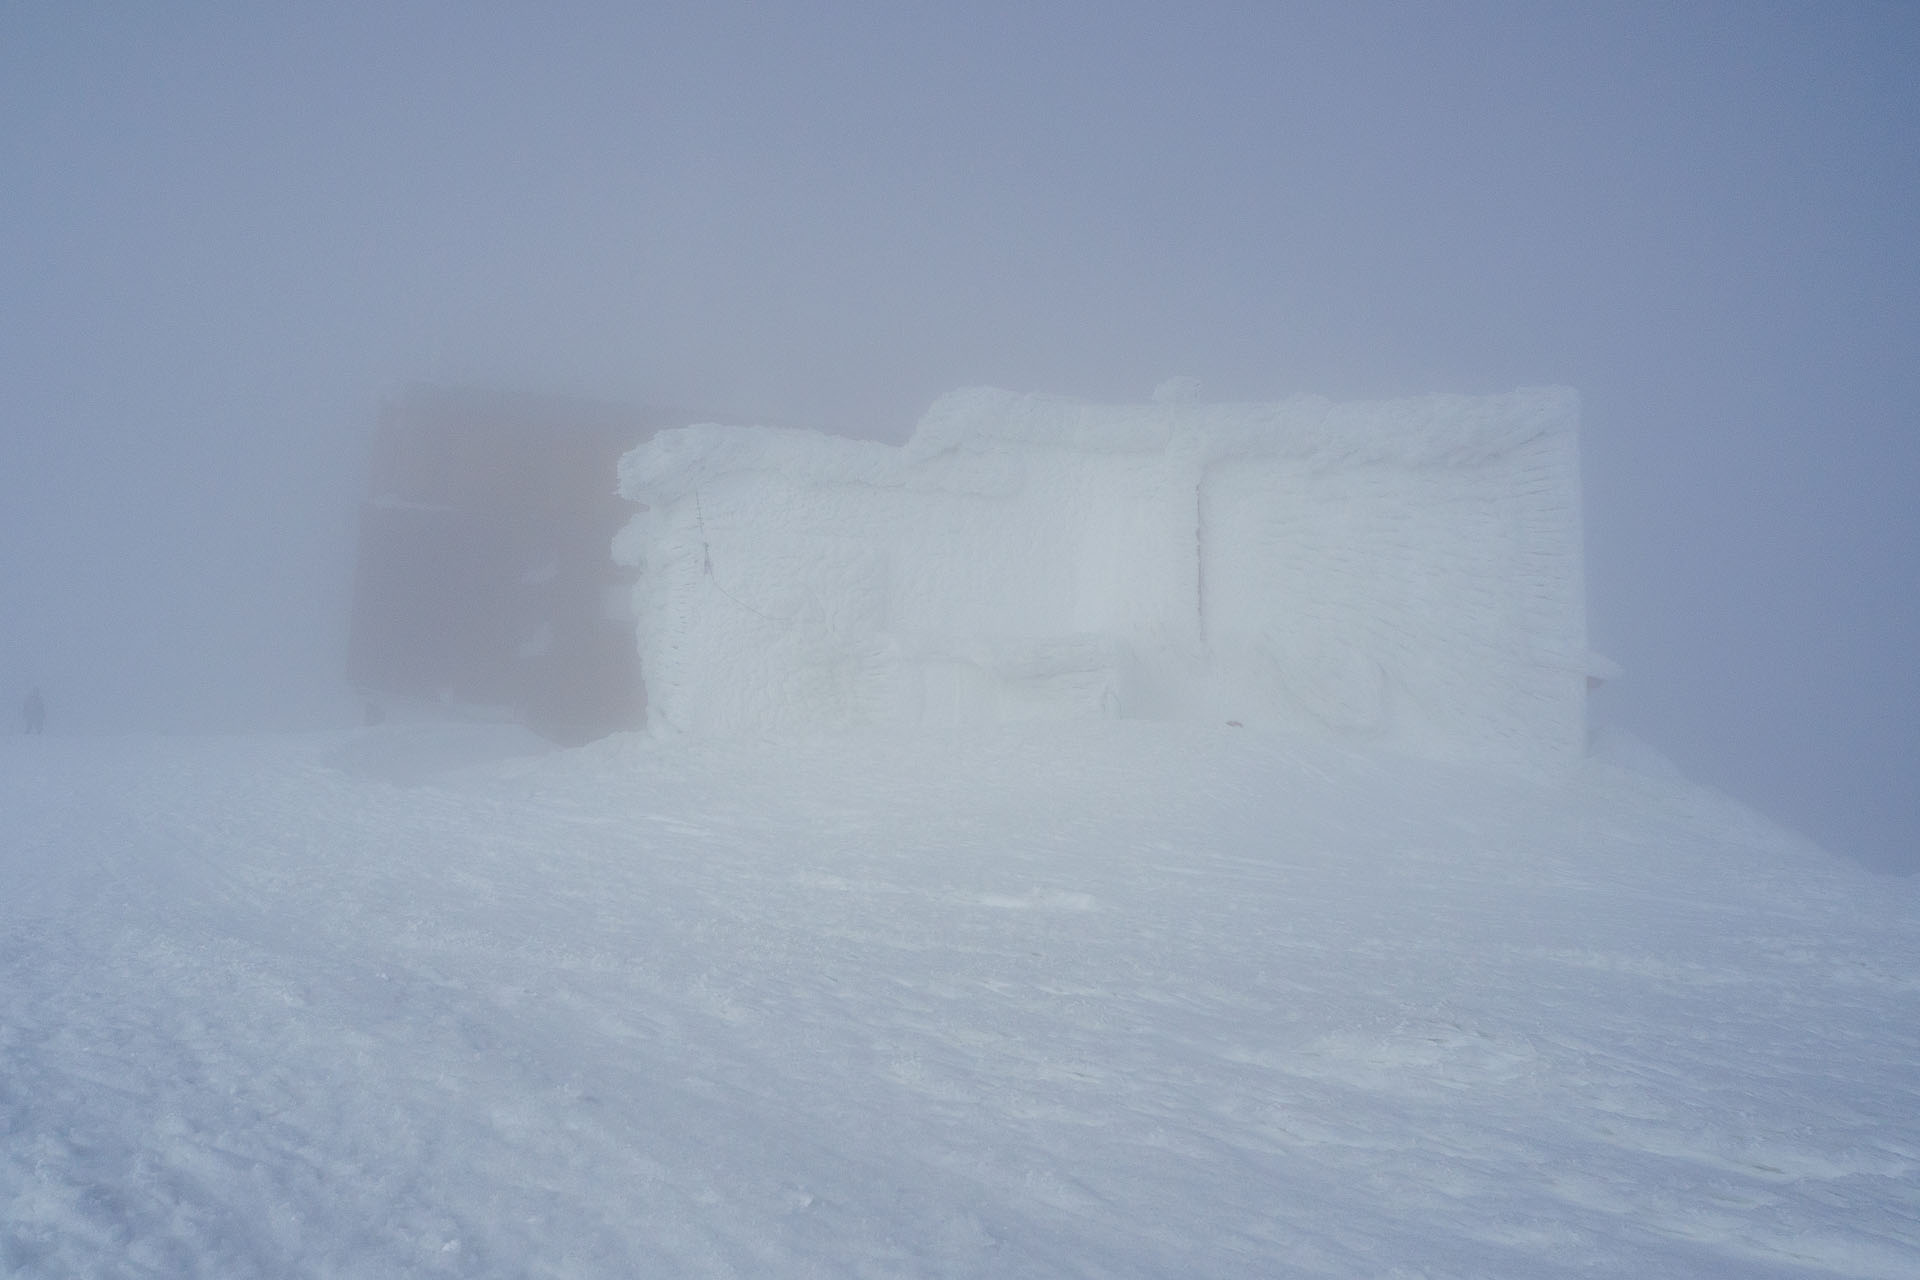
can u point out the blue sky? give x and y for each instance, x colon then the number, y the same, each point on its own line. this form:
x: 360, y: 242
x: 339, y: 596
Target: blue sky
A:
x: 230, y: 229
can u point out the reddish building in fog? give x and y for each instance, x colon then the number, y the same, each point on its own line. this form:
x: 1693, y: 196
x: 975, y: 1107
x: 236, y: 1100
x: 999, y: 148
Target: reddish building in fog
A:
x: 484, y: 576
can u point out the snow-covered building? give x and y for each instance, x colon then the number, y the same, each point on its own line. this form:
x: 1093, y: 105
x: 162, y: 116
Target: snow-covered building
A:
x: 1406, y: 572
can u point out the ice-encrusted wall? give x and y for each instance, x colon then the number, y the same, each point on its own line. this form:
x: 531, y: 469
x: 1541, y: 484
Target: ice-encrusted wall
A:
x: 1406, y: 572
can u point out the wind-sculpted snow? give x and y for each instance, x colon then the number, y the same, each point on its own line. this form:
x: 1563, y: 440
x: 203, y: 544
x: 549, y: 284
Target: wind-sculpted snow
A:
x: 1108, y: 998
x: 1406, y: 573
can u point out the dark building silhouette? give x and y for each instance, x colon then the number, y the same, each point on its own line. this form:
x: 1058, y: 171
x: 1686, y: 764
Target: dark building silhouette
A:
x: 484, y: 576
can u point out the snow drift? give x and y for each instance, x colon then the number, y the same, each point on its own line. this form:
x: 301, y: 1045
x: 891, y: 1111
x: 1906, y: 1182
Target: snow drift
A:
x: 1102, y: 998
x: 1406, y: 572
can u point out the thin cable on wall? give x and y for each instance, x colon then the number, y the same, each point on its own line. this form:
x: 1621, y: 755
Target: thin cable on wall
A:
x: 706, y: 566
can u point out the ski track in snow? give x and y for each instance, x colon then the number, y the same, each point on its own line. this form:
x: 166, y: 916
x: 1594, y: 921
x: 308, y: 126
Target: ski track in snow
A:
x: 1086, y: 1000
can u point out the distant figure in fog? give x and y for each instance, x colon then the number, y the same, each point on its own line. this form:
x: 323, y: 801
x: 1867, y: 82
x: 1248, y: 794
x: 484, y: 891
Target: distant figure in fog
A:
x: 34, y: 711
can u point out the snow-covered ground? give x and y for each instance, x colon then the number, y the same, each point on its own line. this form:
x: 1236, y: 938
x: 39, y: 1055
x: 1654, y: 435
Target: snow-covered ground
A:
x: 1099, y: 999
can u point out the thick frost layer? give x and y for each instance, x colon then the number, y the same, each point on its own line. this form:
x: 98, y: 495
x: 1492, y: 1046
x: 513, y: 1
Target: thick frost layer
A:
x: 1405, y: 571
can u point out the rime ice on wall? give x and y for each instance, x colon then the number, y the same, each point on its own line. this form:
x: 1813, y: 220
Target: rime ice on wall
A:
x: 1406, y: 572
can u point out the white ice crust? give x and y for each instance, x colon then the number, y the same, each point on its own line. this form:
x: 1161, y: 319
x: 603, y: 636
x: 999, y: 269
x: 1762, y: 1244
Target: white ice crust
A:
x: 1406, y: 572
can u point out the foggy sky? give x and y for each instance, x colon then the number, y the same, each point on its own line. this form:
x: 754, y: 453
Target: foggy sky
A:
x: 228, y: 232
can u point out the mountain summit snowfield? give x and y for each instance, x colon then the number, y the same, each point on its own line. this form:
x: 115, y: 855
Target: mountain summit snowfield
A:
x: 1105, y: 998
